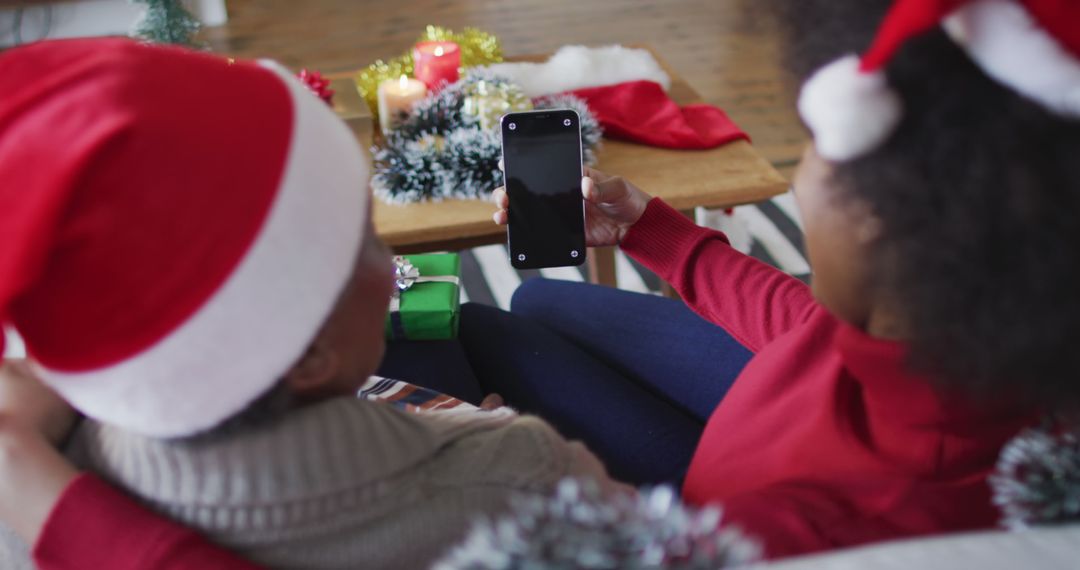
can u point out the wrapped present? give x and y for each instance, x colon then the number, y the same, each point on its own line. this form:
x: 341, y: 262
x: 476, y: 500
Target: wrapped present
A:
x: 427, y: 301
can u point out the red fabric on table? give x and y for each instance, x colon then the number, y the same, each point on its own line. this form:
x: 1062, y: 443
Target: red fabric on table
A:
x: 826, y: 439
x: 96, y: 526
x: 641, y: 112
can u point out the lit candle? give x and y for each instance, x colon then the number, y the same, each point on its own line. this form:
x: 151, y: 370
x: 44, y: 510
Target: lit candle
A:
x: 396, y: 98
x: 436, y: 63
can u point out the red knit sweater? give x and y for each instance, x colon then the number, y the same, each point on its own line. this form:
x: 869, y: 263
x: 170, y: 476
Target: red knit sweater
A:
x: 825, y: 440
x: 95, y: 526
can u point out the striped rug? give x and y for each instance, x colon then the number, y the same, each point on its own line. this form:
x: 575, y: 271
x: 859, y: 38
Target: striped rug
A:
x: 770, y: 231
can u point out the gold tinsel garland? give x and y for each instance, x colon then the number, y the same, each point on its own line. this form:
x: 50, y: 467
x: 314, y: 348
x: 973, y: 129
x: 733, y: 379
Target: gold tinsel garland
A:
x: 477, y: 48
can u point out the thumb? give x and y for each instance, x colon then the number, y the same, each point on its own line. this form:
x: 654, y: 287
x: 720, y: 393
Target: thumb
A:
x: 606, y: 192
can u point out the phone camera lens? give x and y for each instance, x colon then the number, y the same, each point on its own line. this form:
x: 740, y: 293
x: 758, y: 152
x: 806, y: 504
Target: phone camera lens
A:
x: 513, y: 126
x: 567, y: 122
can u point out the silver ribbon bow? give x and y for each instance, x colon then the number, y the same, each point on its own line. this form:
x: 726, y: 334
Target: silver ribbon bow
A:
x: 406, y: 275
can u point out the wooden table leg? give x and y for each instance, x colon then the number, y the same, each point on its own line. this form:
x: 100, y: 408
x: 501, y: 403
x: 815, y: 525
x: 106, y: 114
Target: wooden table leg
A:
x: 601, y: 265
x: 665, y: 289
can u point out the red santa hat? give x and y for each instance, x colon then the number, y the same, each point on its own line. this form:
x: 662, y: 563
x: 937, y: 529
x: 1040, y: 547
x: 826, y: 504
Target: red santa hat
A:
x: 1031, y: 46
x: 175, y: 227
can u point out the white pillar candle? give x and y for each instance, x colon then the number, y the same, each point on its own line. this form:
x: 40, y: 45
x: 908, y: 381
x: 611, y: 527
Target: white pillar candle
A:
x: 397, y: 97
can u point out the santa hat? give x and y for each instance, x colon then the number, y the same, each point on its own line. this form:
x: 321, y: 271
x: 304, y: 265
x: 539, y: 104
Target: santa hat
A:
x: 1031, y: 46
x: 175, y: 227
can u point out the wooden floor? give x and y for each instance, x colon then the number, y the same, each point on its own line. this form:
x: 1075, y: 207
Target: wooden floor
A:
x: 725, y: 52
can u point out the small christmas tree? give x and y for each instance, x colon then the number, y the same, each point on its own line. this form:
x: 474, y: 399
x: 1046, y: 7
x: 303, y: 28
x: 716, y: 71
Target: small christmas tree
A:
x: 166, y: 22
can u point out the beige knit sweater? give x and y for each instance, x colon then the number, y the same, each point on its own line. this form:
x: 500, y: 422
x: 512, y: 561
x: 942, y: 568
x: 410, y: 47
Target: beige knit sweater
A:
x: 342, y: 484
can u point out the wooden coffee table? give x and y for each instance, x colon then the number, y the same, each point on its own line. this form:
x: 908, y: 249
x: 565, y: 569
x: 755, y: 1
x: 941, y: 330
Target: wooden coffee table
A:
x: 723, y: 177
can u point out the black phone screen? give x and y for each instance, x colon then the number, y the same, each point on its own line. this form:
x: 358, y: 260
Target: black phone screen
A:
x: 542, y: 168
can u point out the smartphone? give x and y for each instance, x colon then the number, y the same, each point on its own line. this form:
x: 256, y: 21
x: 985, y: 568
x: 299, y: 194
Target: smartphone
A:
x: 542, y: 169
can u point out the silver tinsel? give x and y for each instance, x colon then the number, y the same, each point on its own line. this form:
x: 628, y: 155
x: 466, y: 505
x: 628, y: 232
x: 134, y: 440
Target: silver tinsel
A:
x: 440, y: 152
x: 580, y: 529
x: 1037, y: 481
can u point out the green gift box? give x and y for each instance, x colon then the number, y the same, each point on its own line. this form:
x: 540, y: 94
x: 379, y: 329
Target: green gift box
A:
x: 427, y: 301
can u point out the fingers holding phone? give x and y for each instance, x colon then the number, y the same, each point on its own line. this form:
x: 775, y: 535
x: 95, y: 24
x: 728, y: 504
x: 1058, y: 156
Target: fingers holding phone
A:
x: 502, y: 202
x: 621, y: 200
x: 612, y: 205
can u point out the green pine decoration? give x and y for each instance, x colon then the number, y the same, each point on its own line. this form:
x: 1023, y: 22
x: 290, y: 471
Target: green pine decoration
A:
x: 166, y: 22
x: 579, y: 529
x: 442, y: 151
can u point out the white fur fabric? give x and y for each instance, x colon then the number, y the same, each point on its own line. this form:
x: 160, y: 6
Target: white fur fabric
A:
x: 1007, y: 43
x: 578, y: 67
x: 850, y: 113
x: 262, y: 318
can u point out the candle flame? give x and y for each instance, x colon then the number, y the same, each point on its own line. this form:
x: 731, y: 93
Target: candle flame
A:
x: 403, y: 82
x: 439, y: 51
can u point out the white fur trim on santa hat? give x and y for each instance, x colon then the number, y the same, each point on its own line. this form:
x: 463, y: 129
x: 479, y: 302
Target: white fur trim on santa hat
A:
x: 1010, y: 46
x: 849, y: 112
x: 578, y: 67
x: 252, y: 330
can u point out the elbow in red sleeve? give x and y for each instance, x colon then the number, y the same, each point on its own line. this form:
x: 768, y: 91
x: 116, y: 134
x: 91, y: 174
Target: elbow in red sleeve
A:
x: 95, y: 526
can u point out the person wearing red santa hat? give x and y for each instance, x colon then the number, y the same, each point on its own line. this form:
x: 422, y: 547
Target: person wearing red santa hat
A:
x: 186, y: 249
x: 940, y: 198
x: 942, y: 314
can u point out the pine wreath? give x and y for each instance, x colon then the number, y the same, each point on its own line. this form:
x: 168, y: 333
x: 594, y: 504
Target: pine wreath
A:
x: 440, y: 152
x: 1037, y: 480
x: 578, y: 528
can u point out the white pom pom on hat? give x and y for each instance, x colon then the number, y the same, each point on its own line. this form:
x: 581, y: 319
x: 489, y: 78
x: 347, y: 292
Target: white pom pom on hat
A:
x: 1031, y: 46
x: 848, y: 111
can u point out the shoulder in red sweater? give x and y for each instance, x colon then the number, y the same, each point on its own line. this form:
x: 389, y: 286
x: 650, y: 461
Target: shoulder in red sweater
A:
x: 825, y: 440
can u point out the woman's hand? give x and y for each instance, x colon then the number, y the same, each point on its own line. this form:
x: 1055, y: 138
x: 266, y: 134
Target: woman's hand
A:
x: 612, y: 205
x: 33, y: 474
x: 492, y: 402
x: 26, y: 400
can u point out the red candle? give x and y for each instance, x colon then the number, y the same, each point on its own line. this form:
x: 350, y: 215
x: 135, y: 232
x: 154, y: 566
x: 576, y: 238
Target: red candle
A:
x: 436, y: 63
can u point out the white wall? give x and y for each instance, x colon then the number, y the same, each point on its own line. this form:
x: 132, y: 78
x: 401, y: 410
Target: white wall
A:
x: 88, y: 18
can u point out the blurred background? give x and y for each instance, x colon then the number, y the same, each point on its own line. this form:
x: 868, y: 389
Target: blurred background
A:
x: 722, y: 48
x: 719, y: 46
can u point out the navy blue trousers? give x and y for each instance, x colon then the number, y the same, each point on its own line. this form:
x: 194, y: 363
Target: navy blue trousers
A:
x: 633, y: 376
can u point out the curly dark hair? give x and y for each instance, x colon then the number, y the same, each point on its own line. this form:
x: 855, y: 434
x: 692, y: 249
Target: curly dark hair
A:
x: 979, y: 194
